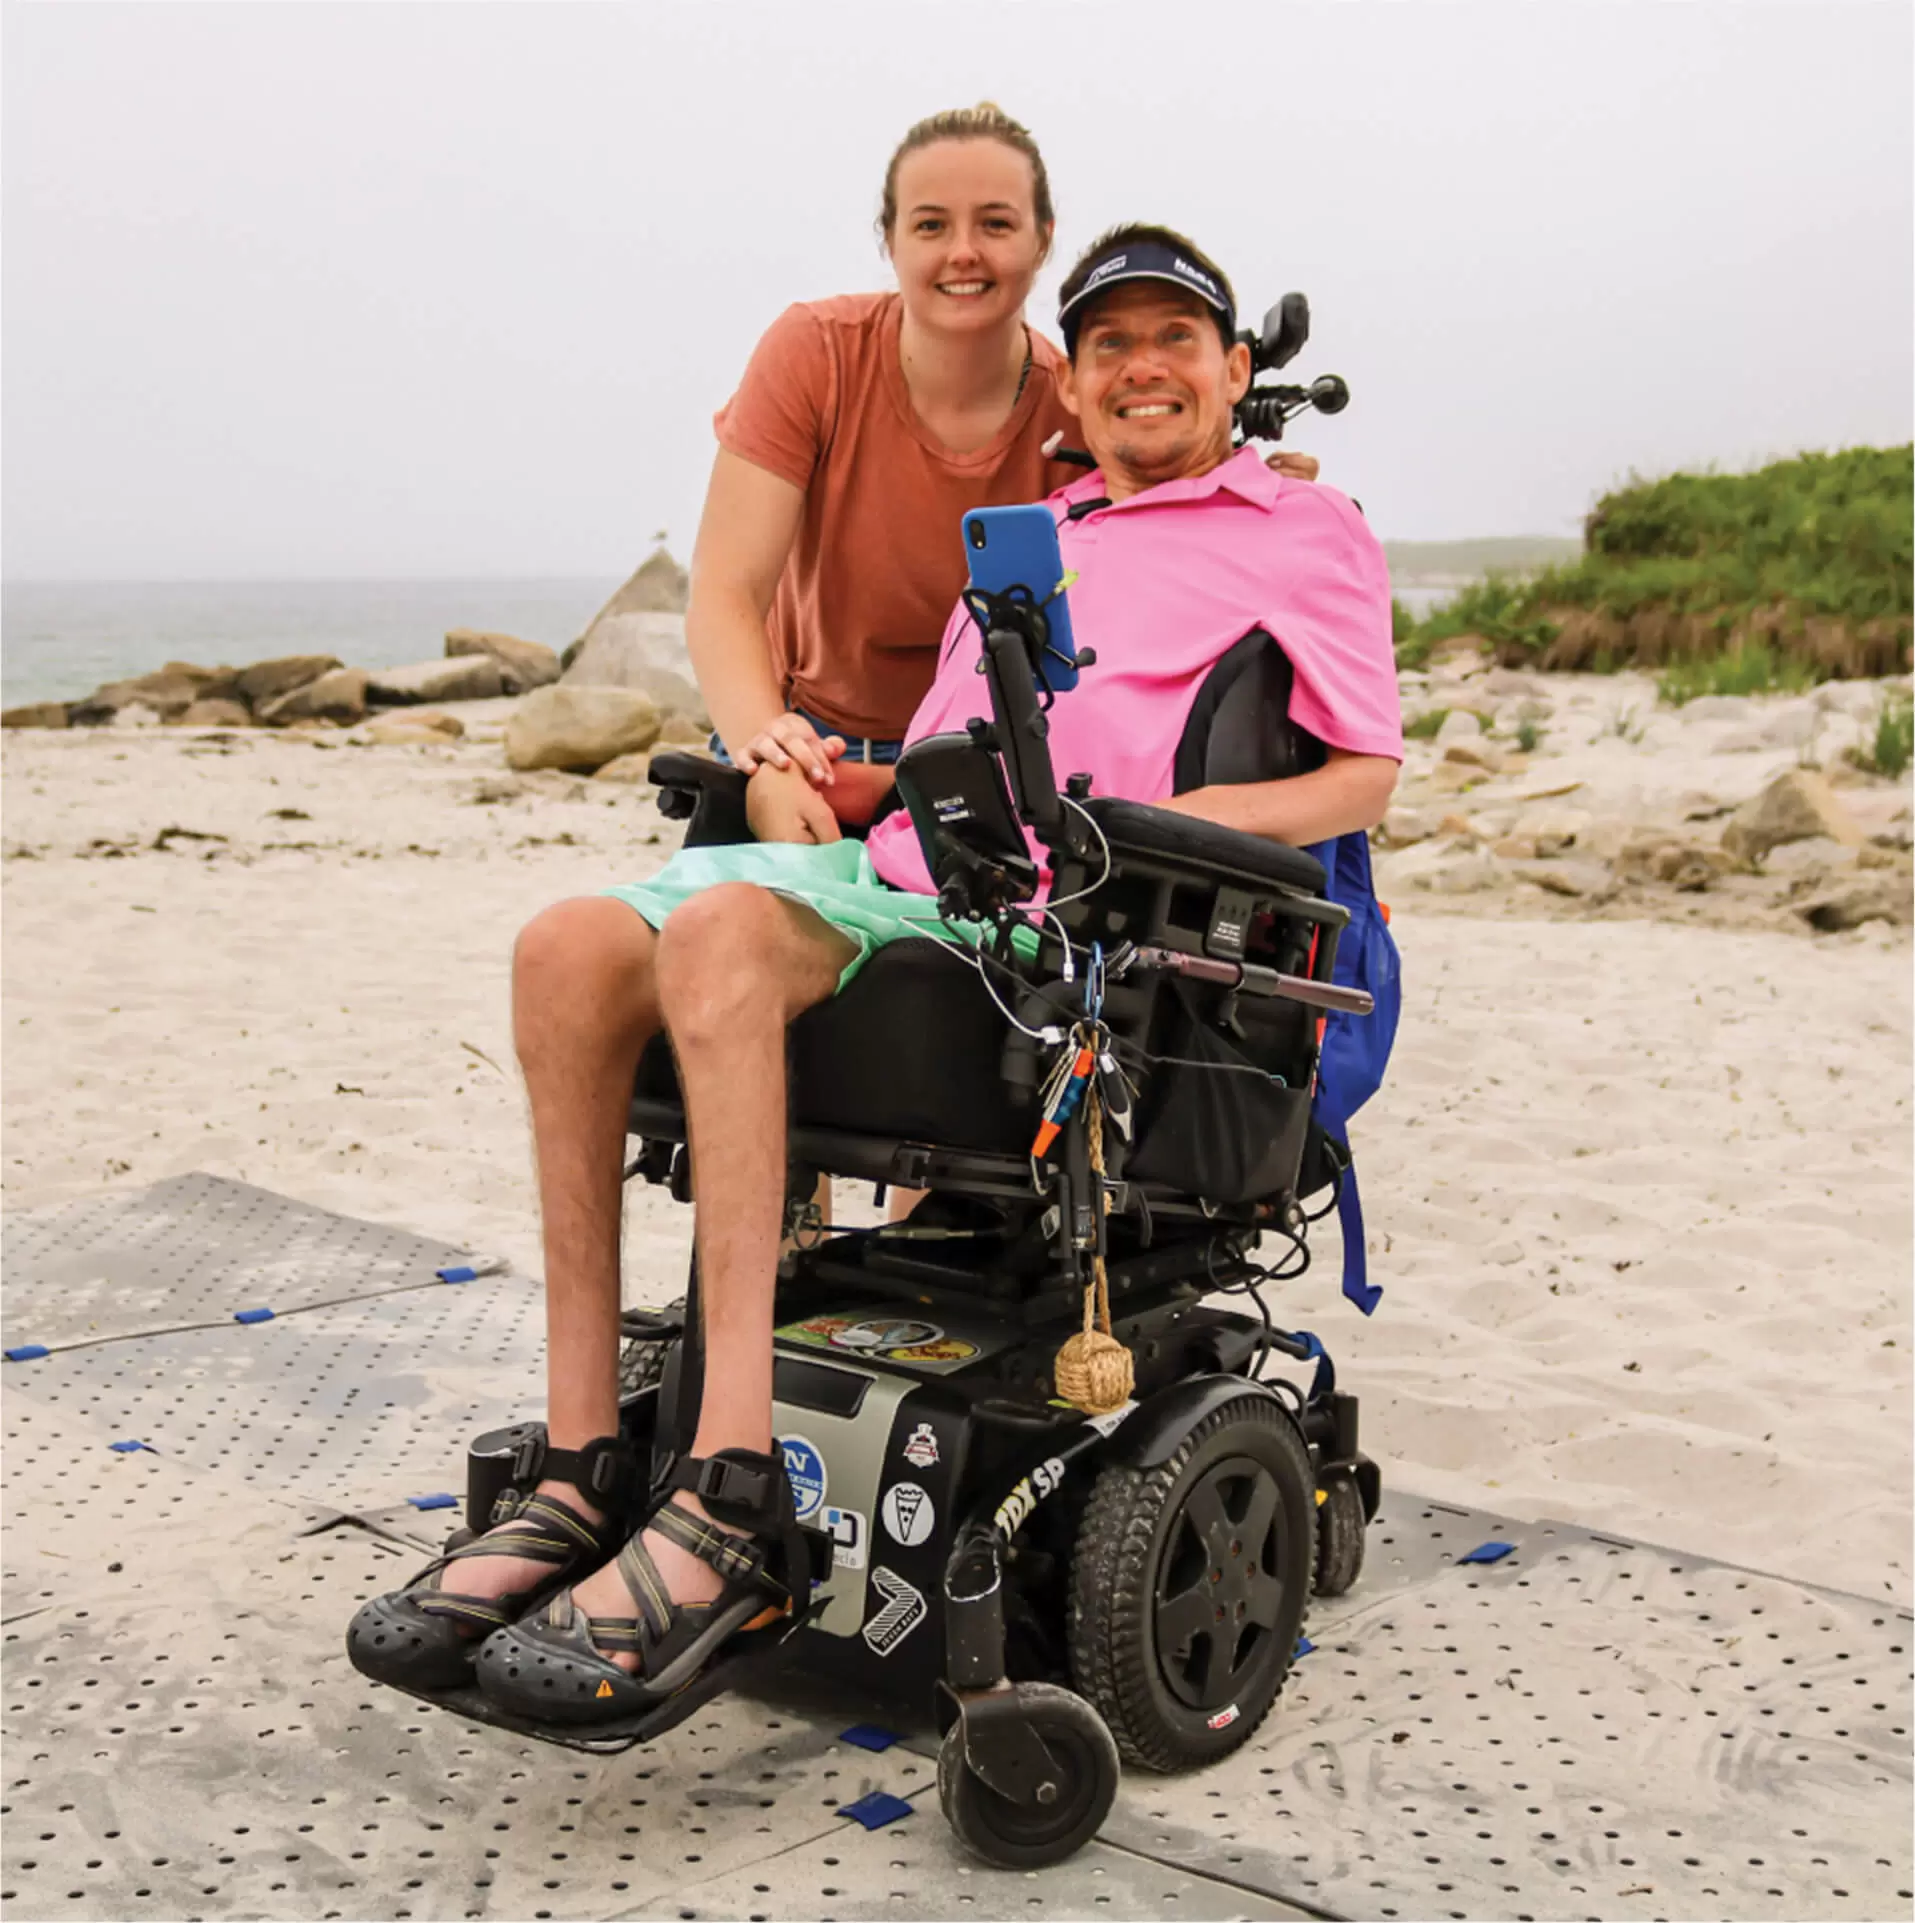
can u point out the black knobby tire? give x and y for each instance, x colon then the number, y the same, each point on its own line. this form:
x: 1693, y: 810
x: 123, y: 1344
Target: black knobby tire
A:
x: 1340, y: 1527
x: 1008, y: 1834
x: 1189, y: 1584
x: 641, y: 1363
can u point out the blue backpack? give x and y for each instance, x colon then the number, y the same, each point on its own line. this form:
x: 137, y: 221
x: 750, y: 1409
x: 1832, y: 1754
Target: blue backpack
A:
x: 1356, y: 1048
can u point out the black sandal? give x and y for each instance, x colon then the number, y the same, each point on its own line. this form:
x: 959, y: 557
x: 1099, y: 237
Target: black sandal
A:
x: 425, y: 1636
x: 551, y: 1666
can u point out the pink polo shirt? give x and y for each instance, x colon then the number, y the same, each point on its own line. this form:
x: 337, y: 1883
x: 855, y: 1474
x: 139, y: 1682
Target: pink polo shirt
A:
x: 1168, y: 582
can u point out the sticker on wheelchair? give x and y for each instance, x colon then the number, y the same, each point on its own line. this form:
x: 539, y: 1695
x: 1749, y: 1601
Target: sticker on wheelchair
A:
x: 909, y: 1514
x: 902, y: 1609
x: 846, y: 1529
x: 906, y: 1339
x: 805, y: 1468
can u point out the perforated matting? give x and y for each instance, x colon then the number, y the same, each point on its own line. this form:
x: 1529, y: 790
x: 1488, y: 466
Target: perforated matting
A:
x: 1586, y: 1728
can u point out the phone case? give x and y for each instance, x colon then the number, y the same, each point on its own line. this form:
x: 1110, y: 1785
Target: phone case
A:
x: 1016, y: 547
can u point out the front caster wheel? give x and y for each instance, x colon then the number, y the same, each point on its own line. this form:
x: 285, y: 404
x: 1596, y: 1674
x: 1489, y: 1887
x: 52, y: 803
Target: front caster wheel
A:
x: 1019, y: 1836
x: 1340, y: 1526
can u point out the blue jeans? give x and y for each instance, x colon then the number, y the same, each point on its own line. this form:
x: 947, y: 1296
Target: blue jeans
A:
x: 856, y: 747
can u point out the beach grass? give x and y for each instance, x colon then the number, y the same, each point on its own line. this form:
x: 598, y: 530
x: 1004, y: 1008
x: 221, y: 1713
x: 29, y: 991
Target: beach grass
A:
x: 1735, y: 582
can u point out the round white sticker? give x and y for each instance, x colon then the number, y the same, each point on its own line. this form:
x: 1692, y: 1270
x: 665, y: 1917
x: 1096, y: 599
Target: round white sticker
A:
x: 909, y: 1514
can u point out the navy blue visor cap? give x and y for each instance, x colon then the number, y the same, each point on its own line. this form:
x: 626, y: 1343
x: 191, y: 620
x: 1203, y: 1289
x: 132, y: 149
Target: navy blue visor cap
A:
x: 1146, y: 260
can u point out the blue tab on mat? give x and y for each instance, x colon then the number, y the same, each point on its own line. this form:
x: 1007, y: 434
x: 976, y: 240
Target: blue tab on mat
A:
x: 126, y: 1448
x: 1304, y: 1647
x: 1489, y: 1552
x: 876, y: 1810
x: 462, y: 1274
x: 252, y: 1315
x: 433, y: 1502
x: 868, y: 1736
x: 26, y: 1352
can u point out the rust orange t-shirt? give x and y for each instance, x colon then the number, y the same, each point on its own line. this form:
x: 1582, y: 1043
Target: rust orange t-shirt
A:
x: 878, y: 563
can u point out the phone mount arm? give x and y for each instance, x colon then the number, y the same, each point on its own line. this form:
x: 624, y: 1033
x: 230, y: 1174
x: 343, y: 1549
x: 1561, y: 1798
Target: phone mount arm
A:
x: 1016, y: 635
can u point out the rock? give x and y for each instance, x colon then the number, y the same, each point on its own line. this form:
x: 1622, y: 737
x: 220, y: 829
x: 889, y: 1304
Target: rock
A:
x: 35, y: 714
x: 1655, y: 855
x: 1504, y: 683
x: 495, y: 789
x: 1461, y: 660
x: 581, y: 728
x: 1552, y: 830
x: 1716, y: 707
x: 523, y: 665
x: 1790, y: 727
x: 1452, y: 827
x: 1404, y: 827
x: 1876, y: 853
x: 1793, y: 807
x: 136, y: 714
x: 267, y: 681
x: 1458, y: 725
x: 1816, y: 855
x: 1513, y: 848
x: 1745, y: 741
x: 1469, y: 873
x: 1578, y: 879
x: 617, y: 648
x: 1474, y: 754
x: 659, y: 587
x: 338, y: 695
x: 1849, y: 905
x: 634, y: 770
x: 466, y: 677
x: 168, y: 691
x: 685, y: 731
x: 214, y: 711
x: 1860, y: 700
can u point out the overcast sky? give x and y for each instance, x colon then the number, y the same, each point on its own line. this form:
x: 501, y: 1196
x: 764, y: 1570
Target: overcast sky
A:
x: 377, y: 290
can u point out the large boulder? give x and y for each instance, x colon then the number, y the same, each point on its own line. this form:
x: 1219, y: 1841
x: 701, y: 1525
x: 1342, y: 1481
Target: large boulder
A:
x: 35, y: 714
x: 523, y: 665
x: 642, y: 651
x: 579, y: 728
x: 167, y: 692
x: 1792, y: 807
x: 339, y: 695
x: 214, y: 711
x: 267, y: 681
x: 468, y: 677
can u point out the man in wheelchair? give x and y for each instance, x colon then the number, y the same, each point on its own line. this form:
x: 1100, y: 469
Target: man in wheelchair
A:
x: 1243, y: 681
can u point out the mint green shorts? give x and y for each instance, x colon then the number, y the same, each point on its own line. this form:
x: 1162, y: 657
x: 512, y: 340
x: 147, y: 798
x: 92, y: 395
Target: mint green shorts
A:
x: 835, y: 880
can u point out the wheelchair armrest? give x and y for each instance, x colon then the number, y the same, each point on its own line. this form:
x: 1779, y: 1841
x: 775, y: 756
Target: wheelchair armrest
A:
x: 1226, y: 852
x: 682, y: 778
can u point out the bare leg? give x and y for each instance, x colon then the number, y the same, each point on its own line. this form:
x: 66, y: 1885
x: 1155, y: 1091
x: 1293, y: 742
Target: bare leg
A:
x: 736, y: 965
x: 584, y: 1003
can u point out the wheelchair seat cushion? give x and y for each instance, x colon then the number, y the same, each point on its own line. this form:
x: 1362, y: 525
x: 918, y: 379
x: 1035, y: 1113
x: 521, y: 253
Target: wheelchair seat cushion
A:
x: 912, y: 1050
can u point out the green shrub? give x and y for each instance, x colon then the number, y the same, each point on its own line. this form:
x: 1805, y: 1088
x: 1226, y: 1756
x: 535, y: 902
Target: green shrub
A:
x: 1424, y: 727
x: 1819, y: 535
x: 1894, y: 744
x: 1411, y: 651
x: 1528, y: 737
x: 1753, y: 667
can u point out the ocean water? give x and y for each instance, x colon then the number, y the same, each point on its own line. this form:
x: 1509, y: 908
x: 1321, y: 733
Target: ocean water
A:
x: 60, y: 639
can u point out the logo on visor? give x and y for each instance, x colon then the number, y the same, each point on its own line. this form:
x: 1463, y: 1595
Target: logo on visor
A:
x: 1103, y: 271
x: 1179, y: 265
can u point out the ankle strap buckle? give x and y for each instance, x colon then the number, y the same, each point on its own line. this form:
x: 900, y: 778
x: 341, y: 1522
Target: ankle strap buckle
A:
x: 716, y: 1480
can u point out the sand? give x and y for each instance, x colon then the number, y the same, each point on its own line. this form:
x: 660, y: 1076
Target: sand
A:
x: 1638, y: 1191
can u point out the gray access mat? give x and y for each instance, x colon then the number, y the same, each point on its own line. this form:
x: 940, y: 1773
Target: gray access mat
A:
x: 1584, y: 1727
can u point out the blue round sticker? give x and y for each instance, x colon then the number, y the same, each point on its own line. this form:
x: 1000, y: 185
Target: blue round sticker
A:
x: 806, y: 1469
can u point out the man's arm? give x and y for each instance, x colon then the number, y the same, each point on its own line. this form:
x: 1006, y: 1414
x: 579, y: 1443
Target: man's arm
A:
x: 1349, y: 792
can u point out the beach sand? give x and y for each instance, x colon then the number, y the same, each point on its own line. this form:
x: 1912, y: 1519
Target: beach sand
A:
x: 1639, y: 1192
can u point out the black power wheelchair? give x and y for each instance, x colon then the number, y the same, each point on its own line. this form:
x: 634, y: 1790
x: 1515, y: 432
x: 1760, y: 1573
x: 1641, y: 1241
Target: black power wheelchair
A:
x: 1057, y: 1589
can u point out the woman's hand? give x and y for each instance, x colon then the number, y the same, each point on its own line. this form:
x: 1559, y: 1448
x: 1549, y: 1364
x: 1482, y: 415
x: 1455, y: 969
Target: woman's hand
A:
x: 782, y: 805
x: 792, y: 742
x: 1298, y: 467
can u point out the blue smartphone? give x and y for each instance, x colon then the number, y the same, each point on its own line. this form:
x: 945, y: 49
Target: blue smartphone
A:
x: 1012, y: 548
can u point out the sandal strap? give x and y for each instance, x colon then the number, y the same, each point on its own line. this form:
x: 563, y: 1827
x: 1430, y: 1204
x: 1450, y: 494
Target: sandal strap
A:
x: 606, y: 1468
x: 559, y: 1538
x: 736, y: 1558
